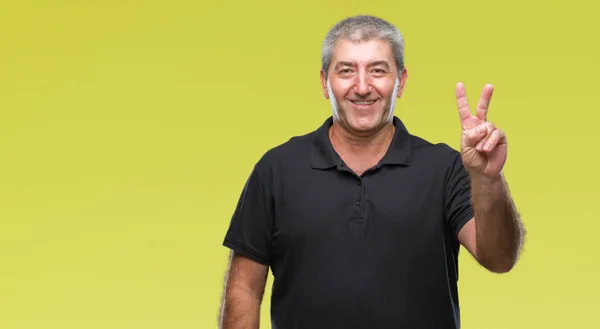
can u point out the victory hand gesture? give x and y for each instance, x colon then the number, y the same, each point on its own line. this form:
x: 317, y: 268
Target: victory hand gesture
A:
x: 483, y: 146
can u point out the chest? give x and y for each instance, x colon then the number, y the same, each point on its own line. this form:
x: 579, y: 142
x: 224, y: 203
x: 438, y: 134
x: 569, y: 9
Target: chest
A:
x: 393, y: 208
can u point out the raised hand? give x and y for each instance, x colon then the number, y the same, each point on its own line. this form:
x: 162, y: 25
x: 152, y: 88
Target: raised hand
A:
x: 483, y: 146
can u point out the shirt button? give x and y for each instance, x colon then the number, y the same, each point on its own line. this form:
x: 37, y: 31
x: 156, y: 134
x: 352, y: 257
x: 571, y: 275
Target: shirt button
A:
x: 358, y: 182
x: 358, y: 203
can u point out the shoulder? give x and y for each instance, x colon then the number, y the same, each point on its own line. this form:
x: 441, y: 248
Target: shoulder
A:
x: 425, y: 150
x: 294, y: 146
x: 439, y: 160
x: 294, y: 152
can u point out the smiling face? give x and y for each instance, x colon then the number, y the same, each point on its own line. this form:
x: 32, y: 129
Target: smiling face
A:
x: 363, y: 84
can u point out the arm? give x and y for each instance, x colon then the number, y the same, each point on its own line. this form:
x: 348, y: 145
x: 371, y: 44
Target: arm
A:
x: 243, y: 292
x: 495, y: 235
x: 249, y: 238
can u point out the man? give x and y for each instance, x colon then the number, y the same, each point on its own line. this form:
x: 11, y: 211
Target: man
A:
x: 360, y: 221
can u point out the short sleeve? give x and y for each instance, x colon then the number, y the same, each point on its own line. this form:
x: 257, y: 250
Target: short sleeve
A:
x: 458, y: 195
x: 249, y: 231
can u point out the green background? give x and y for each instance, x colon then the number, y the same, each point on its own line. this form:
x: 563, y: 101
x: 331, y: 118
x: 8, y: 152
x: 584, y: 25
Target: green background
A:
x: 128, y: 128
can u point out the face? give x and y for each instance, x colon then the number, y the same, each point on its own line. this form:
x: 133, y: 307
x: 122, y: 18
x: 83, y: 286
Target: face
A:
x: 363, y: 84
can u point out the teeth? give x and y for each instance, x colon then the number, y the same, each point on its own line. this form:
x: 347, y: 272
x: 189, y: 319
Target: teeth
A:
x: 364, y: 103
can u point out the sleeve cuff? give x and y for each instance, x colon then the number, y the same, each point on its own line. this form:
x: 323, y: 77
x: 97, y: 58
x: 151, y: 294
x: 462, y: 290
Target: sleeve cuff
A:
x: 464, y: 220
x: 245, y: 251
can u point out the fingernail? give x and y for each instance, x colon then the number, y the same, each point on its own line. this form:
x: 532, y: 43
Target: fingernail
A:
x: 479, y: 146
x: 480, y: 130
x: 487, y: 147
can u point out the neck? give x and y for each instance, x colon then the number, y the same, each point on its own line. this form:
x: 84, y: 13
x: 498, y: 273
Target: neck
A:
x: 371, y: 143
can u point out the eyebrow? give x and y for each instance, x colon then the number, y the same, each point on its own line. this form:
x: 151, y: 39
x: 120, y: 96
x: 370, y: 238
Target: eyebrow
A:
x: 342, y: 63
x: 382, y: 63
x: 376, y: 63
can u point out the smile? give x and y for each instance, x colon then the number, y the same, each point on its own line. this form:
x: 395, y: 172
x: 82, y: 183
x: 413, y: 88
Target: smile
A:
x: 364, y: 102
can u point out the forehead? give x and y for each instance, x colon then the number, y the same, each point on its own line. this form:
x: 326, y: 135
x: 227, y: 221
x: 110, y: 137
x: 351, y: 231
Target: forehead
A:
x: 363, y: 52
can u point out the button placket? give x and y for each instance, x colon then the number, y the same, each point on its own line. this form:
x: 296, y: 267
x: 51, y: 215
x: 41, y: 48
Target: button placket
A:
x: 361, y: 193
x: 358, y: 211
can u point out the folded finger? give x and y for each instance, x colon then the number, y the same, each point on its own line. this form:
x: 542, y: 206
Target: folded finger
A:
x: 496, y: 136
x: 475, y: 135
x: 478, y: 134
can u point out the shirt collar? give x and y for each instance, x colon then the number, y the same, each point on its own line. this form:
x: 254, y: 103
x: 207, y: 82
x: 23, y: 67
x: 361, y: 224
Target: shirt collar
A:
x: 324, y: 156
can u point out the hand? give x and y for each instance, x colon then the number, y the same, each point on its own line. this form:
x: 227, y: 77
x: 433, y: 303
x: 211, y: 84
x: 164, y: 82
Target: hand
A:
x: 483, y: 146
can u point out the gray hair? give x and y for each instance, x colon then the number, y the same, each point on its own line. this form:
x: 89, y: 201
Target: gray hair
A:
x: 363, y: 28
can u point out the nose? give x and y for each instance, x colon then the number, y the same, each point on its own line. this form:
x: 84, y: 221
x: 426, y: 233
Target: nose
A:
x: 363, y: 86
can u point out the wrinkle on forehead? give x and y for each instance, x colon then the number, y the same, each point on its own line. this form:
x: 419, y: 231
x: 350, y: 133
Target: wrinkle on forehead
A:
x: 374, y: 52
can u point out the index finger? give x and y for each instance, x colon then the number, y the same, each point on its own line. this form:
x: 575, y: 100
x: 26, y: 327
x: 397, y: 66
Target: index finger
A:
x: 463, y: 104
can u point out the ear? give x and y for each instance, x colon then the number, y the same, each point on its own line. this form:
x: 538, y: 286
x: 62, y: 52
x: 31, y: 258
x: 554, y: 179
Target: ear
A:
x: 324, y: 85
x: 402, y: 84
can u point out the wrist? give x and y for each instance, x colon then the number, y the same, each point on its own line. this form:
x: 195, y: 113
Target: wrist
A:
x: 484, y: 180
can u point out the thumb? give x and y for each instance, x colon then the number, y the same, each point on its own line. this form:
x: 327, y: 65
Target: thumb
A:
x: 472, y: 136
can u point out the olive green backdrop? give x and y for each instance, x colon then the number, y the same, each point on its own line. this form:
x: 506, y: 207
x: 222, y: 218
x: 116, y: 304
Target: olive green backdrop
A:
x: 128, y: 128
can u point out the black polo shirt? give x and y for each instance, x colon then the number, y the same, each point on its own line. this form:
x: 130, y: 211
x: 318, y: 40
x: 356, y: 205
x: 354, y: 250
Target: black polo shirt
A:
x: 377, y: 251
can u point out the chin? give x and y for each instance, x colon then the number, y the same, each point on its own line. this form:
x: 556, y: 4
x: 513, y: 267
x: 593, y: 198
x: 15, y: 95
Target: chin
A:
x: 366, y: 122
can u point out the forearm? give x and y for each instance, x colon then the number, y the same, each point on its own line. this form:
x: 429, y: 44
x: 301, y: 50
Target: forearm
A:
x: 499, y: 231
x: 240, y: 309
